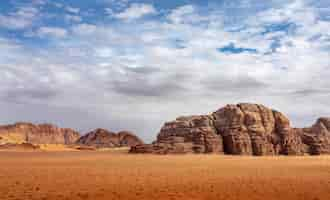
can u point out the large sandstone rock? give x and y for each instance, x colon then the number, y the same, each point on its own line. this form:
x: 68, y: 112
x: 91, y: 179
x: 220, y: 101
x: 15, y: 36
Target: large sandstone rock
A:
x: 129, y: 139
x: 37, y: 134
x: 251, y: 129
x: 242, y: 129
x: 101, y: 138
x: 194, y: 134
x: 317, y: 137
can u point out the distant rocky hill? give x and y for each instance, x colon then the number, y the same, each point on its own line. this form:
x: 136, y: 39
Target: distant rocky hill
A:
x: 37, y: 134
x: 101, y: 138
x: 242, y: 129
x: 28, y: 133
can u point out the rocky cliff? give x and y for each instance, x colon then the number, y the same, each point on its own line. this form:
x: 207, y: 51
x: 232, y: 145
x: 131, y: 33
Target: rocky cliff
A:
x: 242, y: 129
x: 317, y: 137
x: 37, y: 134
x: 101, y: 138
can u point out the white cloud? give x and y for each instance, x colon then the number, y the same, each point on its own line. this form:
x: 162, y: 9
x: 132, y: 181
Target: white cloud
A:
x: 22, y: 18
x: 57, y: 5
x: 73, y: 18
x: 72, y: 9
x: 8, y: 51
x: 103, y: 52
x: 52, y: 32
x: 179, y: 14
x: 164, y: 68
x: 39, y: 2
x: 118, y: 3
x: 84, y: 29
x: 135, y: 11
x: 109, y: 11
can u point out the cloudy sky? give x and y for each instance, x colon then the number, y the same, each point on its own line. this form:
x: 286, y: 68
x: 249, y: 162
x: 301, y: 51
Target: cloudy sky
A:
x: 133, y: 64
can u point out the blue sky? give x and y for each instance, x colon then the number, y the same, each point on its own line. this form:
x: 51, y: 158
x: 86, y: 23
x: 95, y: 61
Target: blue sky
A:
x: 128, y: 64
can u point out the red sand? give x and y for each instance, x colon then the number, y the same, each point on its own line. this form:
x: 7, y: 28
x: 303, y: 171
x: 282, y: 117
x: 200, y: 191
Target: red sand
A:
x: 115, y: 175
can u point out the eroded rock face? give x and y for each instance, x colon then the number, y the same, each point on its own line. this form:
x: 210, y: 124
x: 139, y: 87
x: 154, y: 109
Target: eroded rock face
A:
x: 317, y: 137
x: 242, y: 129
x: 127, y: 138
x: 251, y: 129
x: 194, y: 134
x: 37, y: 134
x: 101, y: 138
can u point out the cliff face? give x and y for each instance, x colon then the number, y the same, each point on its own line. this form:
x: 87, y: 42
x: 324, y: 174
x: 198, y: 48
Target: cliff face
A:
x: 242, y: 129
x: 251, y: 129
x: 185, y: 135
x: 37, y: 134
x: 21, y: 133
x: 101, y: 138
x: 317, y: 137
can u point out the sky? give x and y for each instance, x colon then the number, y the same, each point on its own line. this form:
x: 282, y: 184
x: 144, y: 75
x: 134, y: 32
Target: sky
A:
x: 134, y: 64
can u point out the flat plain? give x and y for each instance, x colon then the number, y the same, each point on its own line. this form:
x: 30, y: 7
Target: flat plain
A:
x: 109, y: 175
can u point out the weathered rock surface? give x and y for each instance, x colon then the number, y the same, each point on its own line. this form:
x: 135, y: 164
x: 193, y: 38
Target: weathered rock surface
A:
x: 317, y: 137
x: 194, y: 134
x: 101, y: 138
x: 242, y: 129
x: 37, y: 134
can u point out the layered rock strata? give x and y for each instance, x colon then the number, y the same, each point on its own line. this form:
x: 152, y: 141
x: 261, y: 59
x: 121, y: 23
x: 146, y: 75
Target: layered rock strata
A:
x: 242, y: 129
x: 37, y: 134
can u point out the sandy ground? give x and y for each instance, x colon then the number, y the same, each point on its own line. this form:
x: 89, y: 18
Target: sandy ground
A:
x: 116, y: 175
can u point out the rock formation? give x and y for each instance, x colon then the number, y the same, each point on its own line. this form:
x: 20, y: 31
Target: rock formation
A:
x: 317, y: 137
x: 186, y: 135
x: 101, y: 138
x: 242, y: 129
x: 37, y: 134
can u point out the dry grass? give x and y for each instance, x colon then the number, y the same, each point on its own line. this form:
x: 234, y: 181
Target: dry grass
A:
x: 115, y: 175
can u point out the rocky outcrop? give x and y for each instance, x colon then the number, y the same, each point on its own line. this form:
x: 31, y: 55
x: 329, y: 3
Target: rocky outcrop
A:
x: 101, y: 138
x: 28, y: 133
x: 317, y: 137
x: 251, y: 129
x: 242, y: 129
x: 37, y: 134
x: 194, y: 134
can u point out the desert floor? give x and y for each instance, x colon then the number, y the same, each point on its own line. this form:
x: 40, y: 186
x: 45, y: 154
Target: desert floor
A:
x: 116, y: 175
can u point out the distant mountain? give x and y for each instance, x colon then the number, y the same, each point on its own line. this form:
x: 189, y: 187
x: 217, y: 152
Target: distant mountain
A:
x: 37, y: 134
x: 28, y: 133
x: 101, y: 138
x: 241, y: 129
